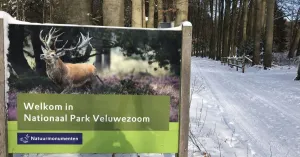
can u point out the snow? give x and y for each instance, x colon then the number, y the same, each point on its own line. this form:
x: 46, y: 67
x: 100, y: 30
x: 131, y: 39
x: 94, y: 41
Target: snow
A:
x: 6, y: 18
x: 10, y: 19
x: 256, y: 113
x: 187, y: 23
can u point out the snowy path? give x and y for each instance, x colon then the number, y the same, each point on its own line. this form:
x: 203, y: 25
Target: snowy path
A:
x: 259, y: 108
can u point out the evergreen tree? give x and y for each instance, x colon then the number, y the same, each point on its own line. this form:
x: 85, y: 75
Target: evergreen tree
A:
x: 279, y: 30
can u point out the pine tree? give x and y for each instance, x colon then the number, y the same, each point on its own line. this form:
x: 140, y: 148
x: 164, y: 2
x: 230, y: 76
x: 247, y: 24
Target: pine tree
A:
x: 279, y: 30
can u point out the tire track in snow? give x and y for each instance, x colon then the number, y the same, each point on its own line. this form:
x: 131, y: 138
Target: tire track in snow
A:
x: 252, y: 125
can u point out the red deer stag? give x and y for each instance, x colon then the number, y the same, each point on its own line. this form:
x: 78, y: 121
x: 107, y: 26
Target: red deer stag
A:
x: 67, y: 75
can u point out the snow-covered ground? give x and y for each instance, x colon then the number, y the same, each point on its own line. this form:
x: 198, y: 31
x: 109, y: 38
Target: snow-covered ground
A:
x: 256, y: 113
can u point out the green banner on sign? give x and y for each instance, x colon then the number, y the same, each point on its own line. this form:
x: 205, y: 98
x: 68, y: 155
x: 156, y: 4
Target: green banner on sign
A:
x: 93, y: 112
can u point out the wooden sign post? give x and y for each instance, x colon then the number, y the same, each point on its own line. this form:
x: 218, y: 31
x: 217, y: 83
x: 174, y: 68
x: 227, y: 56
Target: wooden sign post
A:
x: 185, y: 88
x: 3, y: 112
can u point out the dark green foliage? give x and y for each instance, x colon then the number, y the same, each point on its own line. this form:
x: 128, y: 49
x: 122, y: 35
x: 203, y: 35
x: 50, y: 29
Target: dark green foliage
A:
x: 164, y: 45
x: 26, y: 82
x: 279, y: 30
x: 247, y: 48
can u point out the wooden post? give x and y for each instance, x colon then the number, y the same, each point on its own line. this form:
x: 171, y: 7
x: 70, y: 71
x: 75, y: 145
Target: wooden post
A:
x: 243, y: 64
x: 3, y: 120
x: 237, y: 64
x: 185, y: 89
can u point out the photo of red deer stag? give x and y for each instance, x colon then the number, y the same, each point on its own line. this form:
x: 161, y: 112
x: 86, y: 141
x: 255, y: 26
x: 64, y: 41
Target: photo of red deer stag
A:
x: 49, y: 59
x: 67, y: 75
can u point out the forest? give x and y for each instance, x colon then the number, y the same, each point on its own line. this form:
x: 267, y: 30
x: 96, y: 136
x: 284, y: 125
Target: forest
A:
x: 221, y: 28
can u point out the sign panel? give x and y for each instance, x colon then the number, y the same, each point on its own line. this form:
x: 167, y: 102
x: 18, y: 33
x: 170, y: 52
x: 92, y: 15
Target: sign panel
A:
x: 88, y: 89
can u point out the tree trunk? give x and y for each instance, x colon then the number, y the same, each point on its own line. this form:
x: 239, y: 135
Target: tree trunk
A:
x: 144, y: 14
x: 269, y: 34
x: 257, y: 30
x: 238, y: 26
x: 212, y: 38
x: 113, y: 13
x: 16, y: 55
x: 233, y: 22
x: 298, y: 49
x: 263, y: 17
x: 197, y: 28
x: 220, y: 25
x: 169, y: 6
x: 160, y: 14
x: 245, y: 18
x: 182, y: 11
x: 251, y: 16
x: 205, y: 23
x: 298, y: 73
x: 294, y: 44
x: 40, y: 67
x: 137, y: 13
x: 216, y: 30
x: 150, y: 23
x: 77, y: 11
x: 226, y: 29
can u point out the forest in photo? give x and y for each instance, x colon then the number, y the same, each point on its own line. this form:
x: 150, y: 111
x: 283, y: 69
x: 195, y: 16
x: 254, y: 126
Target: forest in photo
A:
x: 91, y: 60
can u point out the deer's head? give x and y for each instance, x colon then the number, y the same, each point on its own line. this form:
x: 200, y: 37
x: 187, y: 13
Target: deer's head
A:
x: 50, y: 56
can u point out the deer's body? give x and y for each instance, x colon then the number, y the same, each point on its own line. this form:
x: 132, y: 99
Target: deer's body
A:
x: 68, y: 75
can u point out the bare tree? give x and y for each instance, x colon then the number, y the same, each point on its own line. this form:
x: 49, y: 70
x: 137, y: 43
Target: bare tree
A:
x: 150, y: 23
x: 220, y: 31
x: 74, y: 11
x: 182, y: 11
x: 295, y: 36
x: 160, y: 15
x: 245, y: 19
x: 233, y: 23
x: 257, y: 30
x: 269, y: 34
x: 295, y: 41
x: 251, y: 23
x: 137, y: 13
x: 298, y: 73
x: 225, y: 51
x: 113, y: 12
x: 263, y: 13
x: 212, y: 38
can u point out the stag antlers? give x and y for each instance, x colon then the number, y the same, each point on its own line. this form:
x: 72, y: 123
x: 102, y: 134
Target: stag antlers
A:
x: 60, y: 51
x: 67, y: 75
